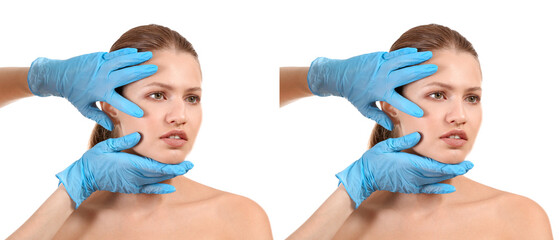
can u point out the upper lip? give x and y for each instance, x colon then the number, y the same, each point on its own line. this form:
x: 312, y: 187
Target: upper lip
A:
x: 179, y: 133
x: 459, y: 132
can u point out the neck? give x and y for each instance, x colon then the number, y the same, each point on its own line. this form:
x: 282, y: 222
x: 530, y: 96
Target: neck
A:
x: 147, y: 202
x: 427, y: 202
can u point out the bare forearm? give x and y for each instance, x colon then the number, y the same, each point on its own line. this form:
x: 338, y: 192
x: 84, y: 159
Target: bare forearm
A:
x: 48, y: 219
x: 13, y: 84
x: 293, y: 84
x: 328, y: 218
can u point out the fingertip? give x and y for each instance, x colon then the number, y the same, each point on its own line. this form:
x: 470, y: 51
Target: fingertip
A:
x: 106, y: 124
x: 416, y: 112
x: 125, y: 105
x: 412, y: 139
x: 119, y: 52
x: 430, y: 68
x: 438, y: 188
x: 384, y: 121
x: 427, y: 54
x: 158, y: 188
x: 188, y: 165
x: 135, y: 111
x: 399, y: 52
x: 468, y: 165
x: 131, y: 139
x: 386, y: 124
x: 149, y: 68
x: 147, y: 54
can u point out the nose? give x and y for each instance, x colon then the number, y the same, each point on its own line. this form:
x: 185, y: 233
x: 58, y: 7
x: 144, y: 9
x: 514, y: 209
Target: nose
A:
x: 176, y: 113
x: 456, y: 114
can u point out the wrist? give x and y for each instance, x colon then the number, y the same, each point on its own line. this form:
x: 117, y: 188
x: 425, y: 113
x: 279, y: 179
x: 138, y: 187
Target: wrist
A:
x: 37, y: 78
x: 62, y: 190
x: 72, y: 180
x: 317, y: 78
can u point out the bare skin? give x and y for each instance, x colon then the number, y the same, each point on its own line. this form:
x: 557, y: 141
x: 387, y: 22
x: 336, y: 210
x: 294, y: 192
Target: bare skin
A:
x: 48, y: 218
x: 451, y: 100
x: 293, y: 84
x: 474, y: 211
x: 208, y: 214
x: 13, y: 84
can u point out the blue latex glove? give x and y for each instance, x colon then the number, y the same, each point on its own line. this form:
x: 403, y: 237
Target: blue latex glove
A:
x: 369, y: 78
x: 105, y: 168
x: 86, y: 79
x: 385, y: 168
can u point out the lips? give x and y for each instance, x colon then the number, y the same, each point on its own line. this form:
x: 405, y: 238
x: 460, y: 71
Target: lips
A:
x: 455, y: 138
x: 175, y: 138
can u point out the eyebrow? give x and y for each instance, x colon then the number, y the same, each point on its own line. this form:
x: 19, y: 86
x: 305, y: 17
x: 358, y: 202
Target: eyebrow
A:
x: 169, y: 87
x: 444, y: 85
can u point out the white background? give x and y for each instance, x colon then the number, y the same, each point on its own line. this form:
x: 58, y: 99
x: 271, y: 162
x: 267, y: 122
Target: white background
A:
x: 284, y: 159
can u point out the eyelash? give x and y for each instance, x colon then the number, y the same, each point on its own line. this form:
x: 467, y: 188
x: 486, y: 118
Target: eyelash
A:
x: 476, y: 101
x: 196, y: 99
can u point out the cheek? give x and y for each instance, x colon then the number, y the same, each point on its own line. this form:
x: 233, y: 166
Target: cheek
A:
x: 194, y: 122
x: 427, y: 126
x: 131, y: 124
x: 409, y: 124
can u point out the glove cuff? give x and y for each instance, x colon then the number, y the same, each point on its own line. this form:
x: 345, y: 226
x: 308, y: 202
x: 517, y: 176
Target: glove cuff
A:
x: 38, y: 81
x: 317, y: 80
x: 70, y: 178
x: 352, y: 178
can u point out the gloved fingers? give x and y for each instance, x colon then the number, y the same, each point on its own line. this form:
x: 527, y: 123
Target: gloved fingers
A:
x: 124, y: 105
x: 374, y: 113
x: 431, y: 168
x: 401, y: 143
x: 151, y: 168
x: 157, y: 188
x: 406, y: 60
x: 129, y: 75
x: 437, y: 188
x: 127, y: 60
x: 122, y: 143
x: 411, y: 74
x: 118, y: 53
x: 404, y: 105
x: 98, y: 116
x: 399, y: 52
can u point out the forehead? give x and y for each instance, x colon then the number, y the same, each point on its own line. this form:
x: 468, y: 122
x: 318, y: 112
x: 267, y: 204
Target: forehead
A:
x: 176, y: 68
x: 455, y: 68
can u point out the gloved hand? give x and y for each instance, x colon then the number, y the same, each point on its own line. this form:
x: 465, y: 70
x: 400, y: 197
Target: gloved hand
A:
x: 86, y: 79
x: 385, y: 168
x: 105, y: 168
x: 372, y: 77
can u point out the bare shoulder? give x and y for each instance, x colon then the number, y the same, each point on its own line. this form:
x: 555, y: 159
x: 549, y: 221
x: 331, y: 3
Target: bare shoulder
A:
x: 238, y: 216
x: 248, y: 220
x: 524, y: 216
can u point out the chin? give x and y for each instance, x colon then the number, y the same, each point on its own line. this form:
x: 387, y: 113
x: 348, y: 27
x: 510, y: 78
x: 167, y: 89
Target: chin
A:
x: 448, y: 156
x: 171, y: 157
x: 168, y: 158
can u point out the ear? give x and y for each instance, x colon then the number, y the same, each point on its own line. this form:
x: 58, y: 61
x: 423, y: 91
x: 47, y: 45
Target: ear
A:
x: 111, y: 111
x: 391, y: 111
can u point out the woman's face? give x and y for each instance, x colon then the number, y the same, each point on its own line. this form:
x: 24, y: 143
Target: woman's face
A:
x: 170, y: 99
x: 450, y: 99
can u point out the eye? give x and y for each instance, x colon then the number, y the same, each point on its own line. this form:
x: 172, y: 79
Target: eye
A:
x: 473, y: 99
x: 193, y: 99
x: 437, y: 95
x: 157, y: 96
